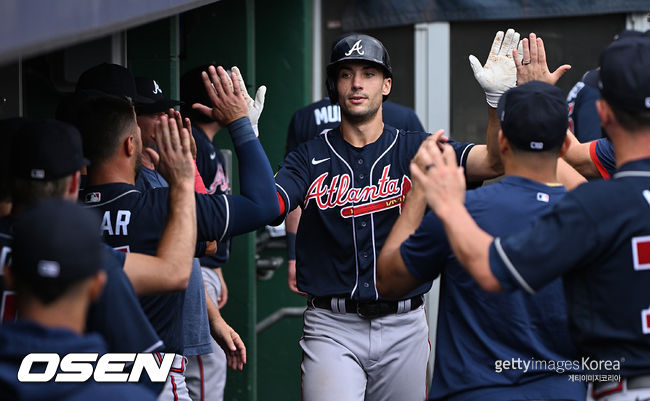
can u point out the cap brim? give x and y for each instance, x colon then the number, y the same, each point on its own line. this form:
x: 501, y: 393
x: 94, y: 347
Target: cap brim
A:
x: 592, y: 78
x: 156, y: 107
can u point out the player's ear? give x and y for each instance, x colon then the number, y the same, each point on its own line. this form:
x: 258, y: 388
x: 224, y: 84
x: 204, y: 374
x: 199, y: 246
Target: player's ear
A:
x: 388, y: 83
x: 503, y: 142
x: 97, y: 284
x: 73, y: 188
x: 129, y: 145
x: 565, y: 146
x: 604, y: 112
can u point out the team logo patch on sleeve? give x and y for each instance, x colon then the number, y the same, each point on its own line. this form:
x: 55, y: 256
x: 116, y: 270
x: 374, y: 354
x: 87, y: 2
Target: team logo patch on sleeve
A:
x: 645, y: 320
x: 641, y: 252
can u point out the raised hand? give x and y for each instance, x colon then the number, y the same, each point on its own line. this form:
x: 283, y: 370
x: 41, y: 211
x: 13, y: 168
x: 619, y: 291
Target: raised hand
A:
x: 228, y: 103
x: 256, y: 106
x: 175, y: 162
x: 499, y: 72
x: 531, y: 62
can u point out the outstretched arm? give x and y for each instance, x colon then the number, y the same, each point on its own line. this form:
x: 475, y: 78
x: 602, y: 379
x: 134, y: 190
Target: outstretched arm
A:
x: 170, y: 269
x: 444, y: 185
x: 257, y: 204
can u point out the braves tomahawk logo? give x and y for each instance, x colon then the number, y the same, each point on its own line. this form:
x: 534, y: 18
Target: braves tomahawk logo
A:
x: 387, y: 194
x: 356, y: 47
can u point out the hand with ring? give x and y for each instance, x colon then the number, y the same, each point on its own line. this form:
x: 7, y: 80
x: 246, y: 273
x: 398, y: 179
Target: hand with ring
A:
x: 532, y: 66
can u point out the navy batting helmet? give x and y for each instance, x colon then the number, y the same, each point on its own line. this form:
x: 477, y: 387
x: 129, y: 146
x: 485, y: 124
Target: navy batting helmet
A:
x: 355, y: 46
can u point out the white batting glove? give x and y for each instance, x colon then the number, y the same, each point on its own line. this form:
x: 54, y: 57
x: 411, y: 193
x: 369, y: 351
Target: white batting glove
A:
x: 499, y: 72
x: 256, y: 106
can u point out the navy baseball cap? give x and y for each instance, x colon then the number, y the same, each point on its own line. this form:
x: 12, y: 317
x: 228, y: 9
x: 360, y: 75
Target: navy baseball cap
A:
x: 56, y: 242
x: 624, y: 77
x: 110, y: 79
x: 149, y: 88
x: 534, y: 116
x: 46, y: 150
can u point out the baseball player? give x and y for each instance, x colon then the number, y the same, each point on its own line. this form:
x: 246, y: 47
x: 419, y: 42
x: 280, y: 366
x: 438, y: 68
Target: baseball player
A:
x: 112, y: 143
x: 314, y: 119
x: 196, y: 328
x: 46, y: 159
x: 476, y: 328
x: 56, y: 282
x: 206, y: 374
x: 50, y: 149
x: 350, y: 183
x: 596, y: 237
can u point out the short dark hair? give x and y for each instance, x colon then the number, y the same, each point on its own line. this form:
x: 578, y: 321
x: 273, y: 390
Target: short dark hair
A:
x: 45, y: 292
x: 103, y: 121
x: 28, y: 192
x: 632, y: 120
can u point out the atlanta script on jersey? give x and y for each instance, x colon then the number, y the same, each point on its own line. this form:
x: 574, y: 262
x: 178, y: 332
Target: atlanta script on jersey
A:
x: 350, y: 198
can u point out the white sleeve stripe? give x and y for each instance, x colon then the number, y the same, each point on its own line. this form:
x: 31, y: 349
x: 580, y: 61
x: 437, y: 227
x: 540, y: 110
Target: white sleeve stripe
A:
x: 225, y: 227
x: 465, y: 153
x: 286, y: 196
x: 511, y: 267
x: 155, y: 345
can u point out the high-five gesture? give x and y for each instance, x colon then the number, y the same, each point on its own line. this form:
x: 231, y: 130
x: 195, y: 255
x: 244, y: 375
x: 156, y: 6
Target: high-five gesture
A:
x: 499, y: 72
x: 256, y: 106
x: 228, y: 103
x: 532, y: 66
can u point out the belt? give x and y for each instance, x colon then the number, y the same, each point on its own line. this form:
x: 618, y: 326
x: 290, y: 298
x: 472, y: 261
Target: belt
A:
x: 601, y: 389
x: 366, y: 309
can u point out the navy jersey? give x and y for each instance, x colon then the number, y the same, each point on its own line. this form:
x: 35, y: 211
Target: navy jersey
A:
x: 118, y: 303
x: 584, y: 121
x: 350, y: 199
x: 603, y: 155
x: 598, y: 239
x: 476, y: 328
x: 23, y: 337
x: 196, y: 326
x: 309, y: 121
x: 212, y: 168
x: 133, y: 220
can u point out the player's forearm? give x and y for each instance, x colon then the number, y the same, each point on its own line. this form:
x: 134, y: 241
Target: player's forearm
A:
x: 491, y: 141
x: 393, y: 278
x: 568, y: 176
x: 579, y: 158
x: 178, y: 242
x: 258, y: 198
x: 470, y: 244
x: 170, y: 269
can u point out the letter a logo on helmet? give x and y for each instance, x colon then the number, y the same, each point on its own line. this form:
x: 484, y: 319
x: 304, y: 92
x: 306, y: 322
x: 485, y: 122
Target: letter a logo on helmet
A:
x: 356, y: 47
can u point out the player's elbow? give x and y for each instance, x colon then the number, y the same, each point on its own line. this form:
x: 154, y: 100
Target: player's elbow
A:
x: 489, y: 283
x: 179, y: 279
